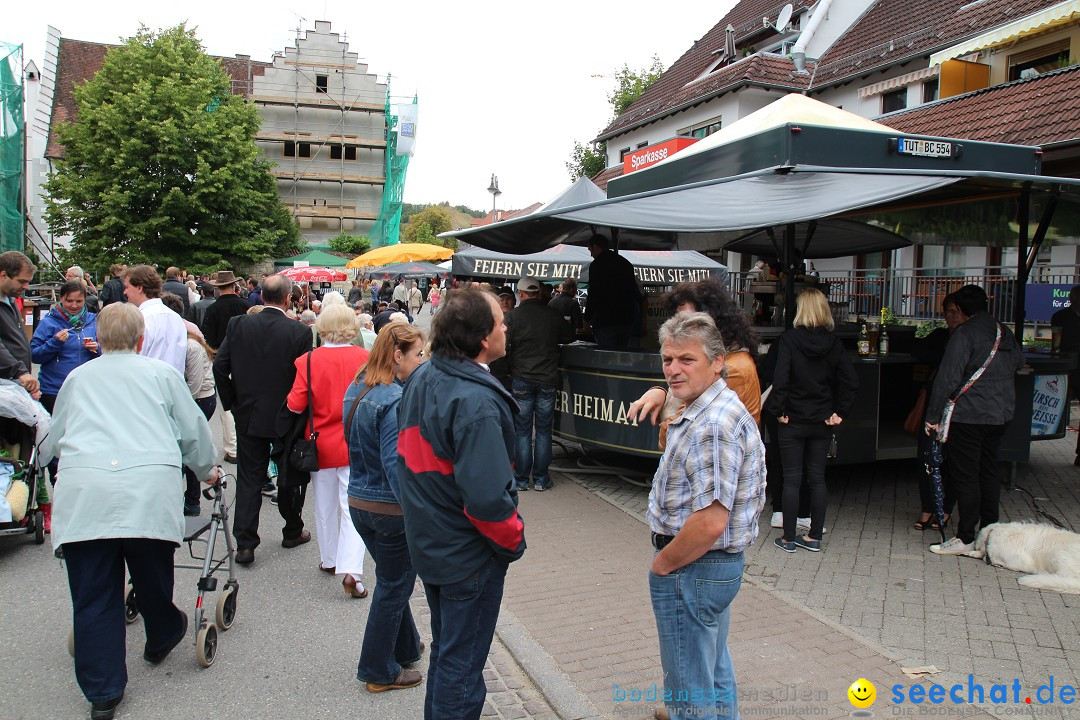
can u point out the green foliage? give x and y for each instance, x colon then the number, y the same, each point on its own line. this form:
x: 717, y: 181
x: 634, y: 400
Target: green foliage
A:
x: 587, y: 160
x: 424, y: 226
x: 925, y: 327
x: 630, y: 85
x: 351, y: 244
x: 162, y: 166
x: 410, y: 209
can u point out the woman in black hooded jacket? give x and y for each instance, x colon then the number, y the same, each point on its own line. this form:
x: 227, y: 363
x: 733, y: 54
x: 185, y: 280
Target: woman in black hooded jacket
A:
x: 813, y: 389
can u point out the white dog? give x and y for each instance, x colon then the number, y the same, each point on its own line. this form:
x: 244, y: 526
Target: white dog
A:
x: 1052, y: 556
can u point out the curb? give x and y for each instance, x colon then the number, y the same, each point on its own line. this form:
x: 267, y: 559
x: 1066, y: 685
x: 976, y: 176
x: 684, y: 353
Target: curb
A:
x: 554, y: 685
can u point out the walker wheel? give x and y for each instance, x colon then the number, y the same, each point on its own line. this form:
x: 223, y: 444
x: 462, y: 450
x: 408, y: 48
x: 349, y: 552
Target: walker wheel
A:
x: 39, y: 528
x: 226, y: 608
x: 206, y: 645
x: 71, y: 641
x: 131, y: 610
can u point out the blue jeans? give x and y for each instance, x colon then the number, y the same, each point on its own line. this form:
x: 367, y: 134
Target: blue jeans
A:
x: 536, y: 401
x: 693, y: 609
x: 390, y: 638
x: 95, y: 570
x: 463, y: 617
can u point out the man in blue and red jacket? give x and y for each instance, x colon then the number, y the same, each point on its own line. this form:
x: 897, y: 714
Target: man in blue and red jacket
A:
x: 455, y: 469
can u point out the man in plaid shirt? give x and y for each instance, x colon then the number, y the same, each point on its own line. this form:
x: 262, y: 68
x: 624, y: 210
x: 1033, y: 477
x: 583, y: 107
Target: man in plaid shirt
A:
x: 703, y: 512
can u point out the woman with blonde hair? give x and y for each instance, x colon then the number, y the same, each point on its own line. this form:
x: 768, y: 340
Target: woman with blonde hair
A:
x: 814, y: 386
x: 321, y: 378
x: 371, y: 402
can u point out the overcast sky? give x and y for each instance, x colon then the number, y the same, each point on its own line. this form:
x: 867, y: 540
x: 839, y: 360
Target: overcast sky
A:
x: 503, y: 88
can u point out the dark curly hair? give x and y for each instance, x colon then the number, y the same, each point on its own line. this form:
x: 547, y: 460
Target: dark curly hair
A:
x: 709, y: 296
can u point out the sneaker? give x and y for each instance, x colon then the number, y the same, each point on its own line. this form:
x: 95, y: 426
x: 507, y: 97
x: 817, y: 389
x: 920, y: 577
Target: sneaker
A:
x: 803, y: 524
x: 807, y: 544
x: 542, y: 488
x: 788, y: 547
x: 777, y: 520
x: 953, y: 546
x: 521, y: 487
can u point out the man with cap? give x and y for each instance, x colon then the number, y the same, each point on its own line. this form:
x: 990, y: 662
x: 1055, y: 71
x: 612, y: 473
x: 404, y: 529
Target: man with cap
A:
x: 225, y: 308
x: 534, y: 332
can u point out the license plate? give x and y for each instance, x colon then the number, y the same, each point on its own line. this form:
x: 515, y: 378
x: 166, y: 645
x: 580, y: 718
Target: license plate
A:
x: 923, y: 148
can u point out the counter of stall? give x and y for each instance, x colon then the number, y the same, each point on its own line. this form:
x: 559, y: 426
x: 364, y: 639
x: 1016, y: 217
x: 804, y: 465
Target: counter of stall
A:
x: 598, y: 386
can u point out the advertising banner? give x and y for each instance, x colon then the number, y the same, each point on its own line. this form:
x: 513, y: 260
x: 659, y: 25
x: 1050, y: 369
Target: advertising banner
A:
x: 1049, y: 408
x: 592, y: 407
x: 406, y: 128
x: 1043, y: 300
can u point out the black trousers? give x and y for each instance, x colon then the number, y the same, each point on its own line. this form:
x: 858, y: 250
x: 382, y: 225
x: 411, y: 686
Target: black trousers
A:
x: 252, y: 462
x: 974, y: 475
x: 95, y: 570
x: 805, y: 448
x: 192, y: 485
x: 774, y: 466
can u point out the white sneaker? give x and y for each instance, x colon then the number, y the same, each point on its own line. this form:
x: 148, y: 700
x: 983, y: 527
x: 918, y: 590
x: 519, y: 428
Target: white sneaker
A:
x: 953, y: 546
x: 803, y: 524
x: 777, y: 520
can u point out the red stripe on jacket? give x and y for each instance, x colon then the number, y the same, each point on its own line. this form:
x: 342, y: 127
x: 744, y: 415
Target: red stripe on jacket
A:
x: 508, y: 533
x: 419, y: 456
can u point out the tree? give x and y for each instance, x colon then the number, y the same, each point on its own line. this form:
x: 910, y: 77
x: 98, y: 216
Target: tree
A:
x: 161, y: 164
x: 587, y: 160
x: 351, y: 244
x: 424, y: 226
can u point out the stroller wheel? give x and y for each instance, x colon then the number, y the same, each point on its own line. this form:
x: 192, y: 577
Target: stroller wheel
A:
x: 206, y: 645
x: 39, y: 528
x: 71, y: 642
x: 131, y: 610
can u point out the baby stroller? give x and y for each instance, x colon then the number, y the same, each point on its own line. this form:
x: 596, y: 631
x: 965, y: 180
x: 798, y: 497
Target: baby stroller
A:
x: 201, y: 535
x: 19, y: 463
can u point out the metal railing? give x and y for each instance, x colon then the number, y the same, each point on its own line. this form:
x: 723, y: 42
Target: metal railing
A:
x: 917, y: 294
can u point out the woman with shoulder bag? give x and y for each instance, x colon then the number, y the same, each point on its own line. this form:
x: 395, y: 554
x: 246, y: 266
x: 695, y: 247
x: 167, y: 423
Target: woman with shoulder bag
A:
x: 331, y: 368
x: 972, y: 399
x: 813, y: 389
x: 390, y: 638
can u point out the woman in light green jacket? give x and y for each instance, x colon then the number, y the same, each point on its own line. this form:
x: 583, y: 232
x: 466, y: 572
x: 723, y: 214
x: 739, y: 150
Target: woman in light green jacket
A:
x: 121, y: 502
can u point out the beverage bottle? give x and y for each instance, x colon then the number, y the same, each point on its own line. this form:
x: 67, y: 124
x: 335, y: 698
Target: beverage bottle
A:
x: 864, y: 341
x: 883, y: 343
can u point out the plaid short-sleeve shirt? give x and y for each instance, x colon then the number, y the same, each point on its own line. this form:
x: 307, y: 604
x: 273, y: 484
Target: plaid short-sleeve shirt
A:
x: 714, y: 452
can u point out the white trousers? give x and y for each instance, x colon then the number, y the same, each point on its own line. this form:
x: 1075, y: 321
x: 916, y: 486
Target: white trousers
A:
x: 228, y: 431
x: 340, y: 545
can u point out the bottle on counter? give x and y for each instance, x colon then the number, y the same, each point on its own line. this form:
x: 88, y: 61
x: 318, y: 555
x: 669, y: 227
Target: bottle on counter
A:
x: 883, y: 343
x: 864, y: 341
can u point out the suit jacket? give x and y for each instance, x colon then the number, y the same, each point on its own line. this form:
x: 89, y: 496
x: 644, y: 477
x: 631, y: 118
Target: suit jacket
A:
x: 254, y: 370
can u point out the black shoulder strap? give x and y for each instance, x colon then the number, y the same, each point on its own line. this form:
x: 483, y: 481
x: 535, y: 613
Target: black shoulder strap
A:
x: 352, y: 410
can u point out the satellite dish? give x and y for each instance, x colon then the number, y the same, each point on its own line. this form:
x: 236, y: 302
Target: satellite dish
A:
x: 784, y: 17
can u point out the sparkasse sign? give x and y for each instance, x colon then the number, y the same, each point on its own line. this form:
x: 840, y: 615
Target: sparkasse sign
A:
x: 643, y: 158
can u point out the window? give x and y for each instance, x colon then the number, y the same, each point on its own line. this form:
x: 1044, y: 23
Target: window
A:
x: 623, y: 153
x: 350, y: 152
x: 305, y: 150
x: 290, y: 149
x: 1039, y: 60
x: 642, y: 145
x: 893, y: 101
x: 335, y: 152
x: 705, y: 129
x: 930, y: 90
x: 321, y: 83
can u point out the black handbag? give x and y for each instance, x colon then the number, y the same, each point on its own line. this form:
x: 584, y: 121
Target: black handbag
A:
x: 304, y: 455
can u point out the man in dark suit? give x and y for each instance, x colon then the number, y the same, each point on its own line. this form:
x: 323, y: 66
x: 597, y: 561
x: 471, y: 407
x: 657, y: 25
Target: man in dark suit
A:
x: 254, y: 371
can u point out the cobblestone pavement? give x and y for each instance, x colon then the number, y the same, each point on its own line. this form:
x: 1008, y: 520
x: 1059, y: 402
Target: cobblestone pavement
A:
x: 877, y: 578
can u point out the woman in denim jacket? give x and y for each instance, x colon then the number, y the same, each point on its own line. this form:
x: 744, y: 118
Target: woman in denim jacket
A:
x: 371, y: 430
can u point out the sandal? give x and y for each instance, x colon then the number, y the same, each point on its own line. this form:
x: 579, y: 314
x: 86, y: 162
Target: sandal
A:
x: 921, y: 523
x: 934, y: 525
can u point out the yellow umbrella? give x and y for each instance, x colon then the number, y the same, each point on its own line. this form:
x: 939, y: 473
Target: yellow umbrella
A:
x: 402, y: 252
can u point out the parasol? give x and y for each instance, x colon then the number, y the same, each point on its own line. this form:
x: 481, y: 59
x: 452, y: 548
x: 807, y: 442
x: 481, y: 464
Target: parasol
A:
x: 407, y: 270
x: 314, y: 274
x: 402, y: 252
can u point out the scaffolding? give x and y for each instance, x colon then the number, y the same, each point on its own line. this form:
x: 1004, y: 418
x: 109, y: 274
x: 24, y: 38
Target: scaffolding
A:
x: 12, y: 152
x: 388, y: 226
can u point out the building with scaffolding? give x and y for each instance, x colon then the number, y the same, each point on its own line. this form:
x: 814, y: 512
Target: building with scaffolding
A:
x: 325, y: 127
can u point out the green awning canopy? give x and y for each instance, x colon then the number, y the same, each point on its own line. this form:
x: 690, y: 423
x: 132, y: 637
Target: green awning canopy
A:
x: 314, y: 258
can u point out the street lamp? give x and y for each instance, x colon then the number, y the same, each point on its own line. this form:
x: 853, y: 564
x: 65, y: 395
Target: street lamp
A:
x: 495, y: 193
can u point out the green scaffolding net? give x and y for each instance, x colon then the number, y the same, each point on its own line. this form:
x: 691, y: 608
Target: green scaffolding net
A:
x: 388, y: 225
x: 11, y: 148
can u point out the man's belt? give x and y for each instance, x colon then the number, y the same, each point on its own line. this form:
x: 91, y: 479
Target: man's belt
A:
x: 660, y: 541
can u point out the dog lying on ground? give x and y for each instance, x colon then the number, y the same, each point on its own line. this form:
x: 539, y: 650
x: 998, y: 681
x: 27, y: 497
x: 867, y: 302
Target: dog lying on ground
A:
x: 1050, y: 555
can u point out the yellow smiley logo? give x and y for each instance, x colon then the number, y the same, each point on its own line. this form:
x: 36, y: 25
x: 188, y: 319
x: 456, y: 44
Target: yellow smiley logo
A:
x: 862, y: 693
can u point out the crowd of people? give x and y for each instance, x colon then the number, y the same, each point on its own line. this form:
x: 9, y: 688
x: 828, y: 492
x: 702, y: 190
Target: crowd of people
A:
x: 416, y: 449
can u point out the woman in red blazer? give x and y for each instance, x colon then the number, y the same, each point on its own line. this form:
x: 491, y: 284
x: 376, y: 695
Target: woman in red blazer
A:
x: 333, y: 367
